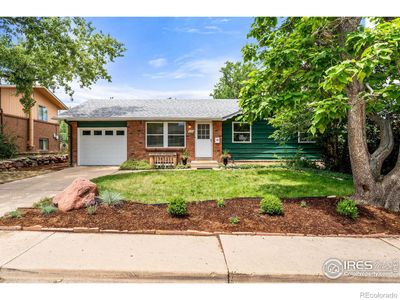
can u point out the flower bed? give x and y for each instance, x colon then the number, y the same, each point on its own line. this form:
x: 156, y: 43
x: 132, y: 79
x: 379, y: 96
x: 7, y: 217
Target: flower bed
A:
x: 317, y: 216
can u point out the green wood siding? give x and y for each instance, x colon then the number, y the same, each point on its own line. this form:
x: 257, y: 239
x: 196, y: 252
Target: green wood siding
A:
x: 102, y: 124
x: 262, y: 147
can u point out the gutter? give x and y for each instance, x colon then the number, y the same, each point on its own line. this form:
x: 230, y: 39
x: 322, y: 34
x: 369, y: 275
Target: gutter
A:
x: 70, y: 141
x: 146, y: 118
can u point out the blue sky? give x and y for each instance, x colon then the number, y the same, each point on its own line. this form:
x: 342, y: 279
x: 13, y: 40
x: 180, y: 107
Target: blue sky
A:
x: 167, y: 57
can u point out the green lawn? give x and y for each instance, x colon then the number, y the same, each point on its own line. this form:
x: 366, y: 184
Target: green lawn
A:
x: 193, y: 185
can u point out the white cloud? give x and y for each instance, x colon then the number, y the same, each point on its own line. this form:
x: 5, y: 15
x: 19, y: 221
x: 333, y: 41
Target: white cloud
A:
x: 194, y: 68
x: 208, y: 29
x: 158, y: 62
x: 108, y: 91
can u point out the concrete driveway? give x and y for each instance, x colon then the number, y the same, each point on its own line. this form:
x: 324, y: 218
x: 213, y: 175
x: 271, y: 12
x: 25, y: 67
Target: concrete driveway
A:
x: 23, y: 193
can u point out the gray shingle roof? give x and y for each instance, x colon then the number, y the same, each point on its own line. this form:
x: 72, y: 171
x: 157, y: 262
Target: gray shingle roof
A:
x: 165, y: 109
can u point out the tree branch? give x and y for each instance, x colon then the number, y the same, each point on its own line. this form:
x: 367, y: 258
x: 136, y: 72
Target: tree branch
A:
x: 385, y: 146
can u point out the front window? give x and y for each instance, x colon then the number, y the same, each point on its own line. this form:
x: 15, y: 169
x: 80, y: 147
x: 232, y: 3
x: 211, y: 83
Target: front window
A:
x: 42, y: 113
x: 165, y: 134
x: 176, y: 134
x: 241, y: 132
x: 43, y: 144
x: 155, y: 134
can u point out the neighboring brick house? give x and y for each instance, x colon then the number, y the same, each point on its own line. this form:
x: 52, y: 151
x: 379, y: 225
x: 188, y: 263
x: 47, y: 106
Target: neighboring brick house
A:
x: 36, y: 131
x: 107, y: 132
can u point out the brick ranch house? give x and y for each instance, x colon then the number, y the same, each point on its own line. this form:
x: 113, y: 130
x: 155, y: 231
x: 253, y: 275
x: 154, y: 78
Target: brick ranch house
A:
x: 36, y: 131
x: 107, y: 132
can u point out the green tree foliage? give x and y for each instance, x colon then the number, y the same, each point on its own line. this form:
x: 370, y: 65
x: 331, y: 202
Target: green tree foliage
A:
x: 53, y: 52
x: 231, y: 81
x: 315, y: 73
x: 64, y: 134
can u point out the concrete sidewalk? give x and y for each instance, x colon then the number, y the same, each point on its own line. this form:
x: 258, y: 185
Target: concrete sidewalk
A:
x: 24, y: 192
x: 84, y: 257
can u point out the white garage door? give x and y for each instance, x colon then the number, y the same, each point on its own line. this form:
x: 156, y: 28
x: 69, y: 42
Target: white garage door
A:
x: 101, y: 146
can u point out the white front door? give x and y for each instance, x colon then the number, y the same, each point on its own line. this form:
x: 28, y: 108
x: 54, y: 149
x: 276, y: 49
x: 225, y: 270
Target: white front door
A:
x: 204, y: 140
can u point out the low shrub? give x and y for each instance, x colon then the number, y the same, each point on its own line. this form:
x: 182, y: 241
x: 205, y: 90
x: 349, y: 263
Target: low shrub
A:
x: 300, y: 160
x: 182, y: 166
x: 91, y: 209
x: 133, y: 164
x: 177, y: 207
x: 347, y: 208
x: 111, y: 198
x: 48, y: 209
x: 271, y: 205
x: 8, y: 146
x: 15, y: 214
x: 43, y: 202
x: 234, y: 220
x: 220, y: 202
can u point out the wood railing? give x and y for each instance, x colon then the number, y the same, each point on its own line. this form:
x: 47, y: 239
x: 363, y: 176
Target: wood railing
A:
x: 163, y: 159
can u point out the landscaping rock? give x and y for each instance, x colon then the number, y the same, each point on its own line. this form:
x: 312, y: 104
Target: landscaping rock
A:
x: 32, y: 161
x: 77, y: 195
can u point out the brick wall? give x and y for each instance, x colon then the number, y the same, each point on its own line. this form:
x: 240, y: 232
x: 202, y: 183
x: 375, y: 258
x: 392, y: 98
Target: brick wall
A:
x: 191, y: 139
x: 46, y: 130
x: 217, y: 133
x: 18, y: 127
x: 137, y: 141
x: 74, y: 131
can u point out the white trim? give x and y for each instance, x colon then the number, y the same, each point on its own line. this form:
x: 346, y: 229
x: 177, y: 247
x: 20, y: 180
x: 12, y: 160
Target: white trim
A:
x: 242, y: 142
x: 165, y: 135
x: 299, y: 141
x: 80, y: 129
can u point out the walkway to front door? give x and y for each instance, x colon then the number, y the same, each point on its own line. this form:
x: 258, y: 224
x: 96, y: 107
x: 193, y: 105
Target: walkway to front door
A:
x: 204, y: 140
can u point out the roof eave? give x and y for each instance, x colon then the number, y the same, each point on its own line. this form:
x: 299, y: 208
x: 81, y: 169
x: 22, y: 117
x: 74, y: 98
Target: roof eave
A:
x: 140, y: 119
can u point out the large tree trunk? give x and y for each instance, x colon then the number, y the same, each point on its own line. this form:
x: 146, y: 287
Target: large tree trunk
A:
x: 370, y: 186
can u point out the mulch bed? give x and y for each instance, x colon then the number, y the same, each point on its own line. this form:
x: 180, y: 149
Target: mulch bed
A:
x: 319, y: 217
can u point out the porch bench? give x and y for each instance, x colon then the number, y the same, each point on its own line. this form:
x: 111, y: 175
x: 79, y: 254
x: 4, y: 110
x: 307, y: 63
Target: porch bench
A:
x: 163, y: 159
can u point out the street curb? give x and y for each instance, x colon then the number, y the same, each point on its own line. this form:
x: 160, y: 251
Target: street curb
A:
x: 186, y: 232
x: 17, y: 275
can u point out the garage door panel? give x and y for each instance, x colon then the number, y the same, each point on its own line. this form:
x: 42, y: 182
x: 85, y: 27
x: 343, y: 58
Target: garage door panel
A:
x: 102, y: 146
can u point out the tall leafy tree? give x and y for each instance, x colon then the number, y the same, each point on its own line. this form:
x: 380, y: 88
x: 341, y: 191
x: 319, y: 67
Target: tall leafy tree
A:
x: 317, y: 72
x: 231, y: 80
x: 53, y: 52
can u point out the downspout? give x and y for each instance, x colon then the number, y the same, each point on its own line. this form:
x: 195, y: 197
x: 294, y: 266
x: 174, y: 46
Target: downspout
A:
x: 31, y: 124
x: 69, y: 142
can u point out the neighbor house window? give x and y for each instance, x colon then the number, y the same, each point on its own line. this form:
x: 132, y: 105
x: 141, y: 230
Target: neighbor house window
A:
x: 165, y: 134
x: 305, y: 138
x: 43, y: 144
x: 42, y: 113
x: 241, y: 132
